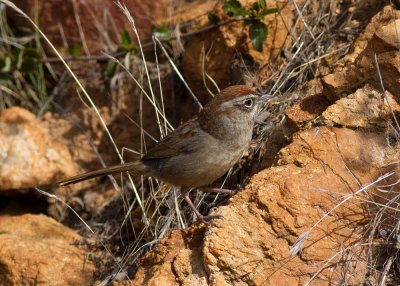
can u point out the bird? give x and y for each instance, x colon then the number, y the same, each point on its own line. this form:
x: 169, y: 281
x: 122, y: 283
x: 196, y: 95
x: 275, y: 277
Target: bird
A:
x: 199, y: 151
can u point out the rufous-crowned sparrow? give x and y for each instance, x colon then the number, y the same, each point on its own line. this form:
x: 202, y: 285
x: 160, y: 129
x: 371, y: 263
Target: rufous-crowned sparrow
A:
x: 201, y: 150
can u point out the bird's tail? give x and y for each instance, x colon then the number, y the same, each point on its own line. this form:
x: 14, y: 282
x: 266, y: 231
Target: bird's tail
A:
x: 136, y: 167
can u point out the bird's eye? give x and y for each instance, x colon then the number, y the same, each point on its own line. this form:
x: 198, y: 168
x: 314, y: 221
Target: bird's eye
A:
x: 248, y: 103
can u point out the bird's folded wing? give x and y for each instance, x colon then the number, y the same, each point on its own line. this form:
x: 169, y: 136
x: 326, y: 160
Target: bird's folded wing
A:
x: 181, y: 140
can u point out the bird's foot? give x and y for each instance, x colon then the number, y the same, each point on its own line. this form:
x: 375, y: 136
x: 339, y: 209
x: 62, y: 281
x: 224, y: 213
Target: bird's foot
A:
x: 204, y: 219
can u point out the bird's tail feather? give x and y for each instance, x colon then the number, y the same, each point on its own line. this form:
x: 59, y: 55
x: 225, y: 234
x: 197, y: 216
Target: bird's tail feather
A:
x: 136, y: 168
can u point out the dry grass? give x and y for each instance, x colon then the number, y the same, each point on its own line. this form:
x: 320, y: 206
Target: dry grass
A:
x: 160, y: 210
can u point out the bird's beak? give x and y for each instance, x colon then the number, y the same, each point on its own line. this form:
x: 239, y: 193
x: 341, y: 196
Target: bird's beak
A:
x: 263, y: 97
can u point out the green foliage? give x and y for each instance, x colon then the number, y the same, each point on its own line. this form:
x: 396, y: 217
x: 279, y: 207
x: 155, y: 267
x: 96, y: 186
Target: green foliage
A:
x: 126, y: 44
x: 258, y: 34
x: 74, y: 50
x: 233, y: 8
x: 22, y: 73
x: 213, y: 18
x: 25, y: 60
x: 162, y: 33
x: 252, y: 16
x: 111, y: 68
x: 125, y: 47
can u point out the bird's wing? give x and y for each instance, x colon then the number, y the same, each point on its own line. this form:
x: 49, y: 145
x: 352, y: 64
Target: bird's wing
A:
x: 181, y: 140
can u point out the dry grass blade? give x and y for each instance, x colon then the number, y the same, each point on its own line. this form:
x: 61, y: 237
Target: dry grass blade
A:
x: 378, y: 70
x: 178, y: 73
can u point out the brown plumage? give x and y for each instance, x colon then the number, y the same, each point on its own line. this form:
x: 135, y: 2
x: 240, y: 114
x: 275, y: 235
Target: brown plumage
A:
x: 201, y: 150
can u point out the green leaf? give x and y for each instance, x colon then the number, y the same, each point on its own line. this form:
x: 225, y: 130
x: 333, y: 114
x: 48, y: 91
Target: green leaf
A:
x: 247, y: 22
x: 125, y: 38
x: 255, y: 7
x: 231, y: 5
x: 213, y: 18
x: 258, y: 34
x: 74, y: 50
x: 242, y: 12
x: 263, y: 13
x: 126, y: 42
x: 111, y: 68
x: 6, y: 65
x: 233, y: 8
x: 262, y: 3
x: 162, y: 33
x: 272, y: 11
x: 28, y: 60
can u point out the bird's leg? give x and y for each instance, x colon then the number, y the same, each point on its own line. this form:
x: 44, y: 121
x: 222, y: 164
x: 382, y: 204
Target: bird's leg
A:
x: 202, y: 218
x: 218, y: 190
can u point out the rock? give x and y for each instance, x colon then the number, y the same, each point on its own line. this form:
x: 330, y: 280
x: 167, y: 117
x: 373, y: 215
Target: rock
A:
x: 359, y: 67
x: 221, y: 45
x: 218, y: 64
x: 37, y: 250
x: 189, y: 269
x: 29, y: 156
x: 366, y: 108
x: 311, y: 106
x: 352, y: 73
x: 176, y: 260
x: 250, y: 244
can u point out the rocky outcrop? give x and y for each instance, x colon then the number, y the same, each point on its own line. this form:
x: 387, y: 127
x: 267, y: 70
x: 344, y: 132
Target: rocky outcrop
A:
x: 37, y: 250
x: 251, y: 244
x: 214, y: 53
x: 365, y: 108
x: 176, y: 260
x: 376, y: 46
x: 305, y: 220
x: 29, y: 155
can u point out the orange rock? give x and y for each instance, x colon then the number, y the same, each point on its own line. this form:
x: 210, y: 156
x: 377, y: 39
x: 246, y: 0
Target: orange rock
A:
x: 29, y: 156
x: 37, y: 250
x: 366, y: 108
x: 250, y: 244
x: 176, y: 260
x: 311, y: 106
x: 359, y: 66
x: 220, y: 46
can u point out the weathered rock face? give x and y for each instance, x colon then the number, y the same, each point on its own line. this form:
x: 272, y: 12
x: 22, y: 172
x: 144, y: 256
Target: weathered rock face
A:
x: 37, y: 250
x: 366, y: 108
x: 310, y: 190
x: 29, y: 156
x: 357, y: 81
x: 179, y: 252
x: 322, y: 166
x: 250, y: 245
x: 359, y: 67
